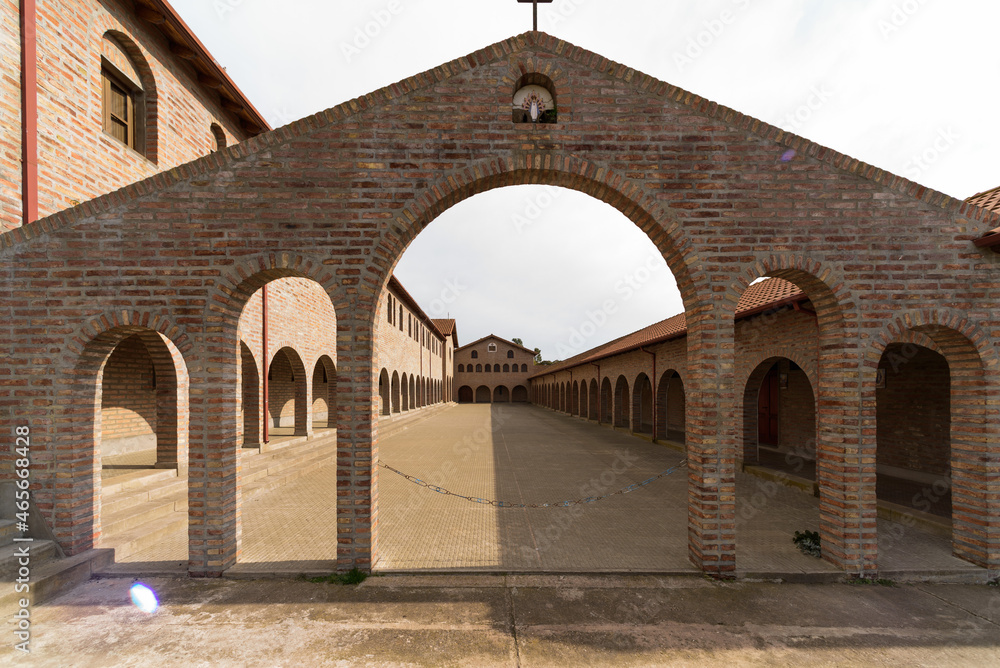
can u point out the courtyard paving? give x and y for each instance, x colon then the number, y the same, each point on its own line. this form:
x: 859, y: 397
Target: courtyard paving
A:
x: 531, y: 455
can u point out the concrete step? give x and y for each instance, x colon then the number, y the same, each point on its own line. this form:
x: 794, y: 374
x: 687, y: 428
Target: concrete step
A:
x: 282, y: 476
x: 8, y: 532
x: 135, y: 480
x: 133, y: 517
x: 397, y: 423
x: 262, y: 468
x: 39, y: 551
x: 54, y: 577
x: 134, y: 540
x: 115, y: 503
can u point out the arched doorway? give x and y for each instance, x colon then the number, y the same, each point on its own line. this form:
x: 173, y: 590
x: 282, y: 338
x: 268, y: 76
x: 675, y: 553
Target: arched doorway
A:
x: 670, y: 407
x: 396, y: 398
x: 622, y: 404
x: 250, y: 378
x: 465, y: 395
x: 324, y: 388
x: 501, y: 395
x: 483, y: 395
x: 520, y: 395
x: 384, y: 389
x: 642, y: 405
x: 287, y: 401
x: 607, y: 401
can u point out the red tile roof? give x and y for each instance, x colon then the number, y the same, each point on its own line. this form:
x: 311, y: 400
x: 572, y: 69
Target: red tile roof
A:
x: 989, y: 200
x: 765, y: 295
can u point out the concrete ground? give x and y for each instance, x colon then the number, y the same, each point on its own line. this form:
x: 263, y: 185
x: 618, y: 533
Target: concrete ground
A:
x: 526, y: 454
x: 515, y: 620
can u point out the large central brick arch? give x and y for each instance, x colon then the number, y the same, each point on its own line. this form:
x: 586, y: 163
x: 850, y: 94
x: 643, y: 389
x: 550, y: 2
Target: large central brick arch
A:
x: 338, y: 196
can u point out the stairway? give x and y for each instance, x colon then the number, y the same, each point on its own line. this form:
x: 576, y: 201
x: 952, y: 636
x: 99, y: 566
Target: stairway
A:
x: 144, y: 513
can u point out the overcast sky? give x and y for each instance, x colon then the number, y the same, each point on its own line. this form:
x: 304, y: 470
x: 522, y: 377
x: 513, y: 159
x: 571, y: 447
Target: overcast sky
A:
x: 903, y: 84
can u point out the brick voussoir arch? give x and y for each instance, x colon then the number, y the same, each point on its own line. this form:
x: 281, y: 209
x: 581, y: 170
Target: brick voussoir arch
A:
x: 572, y: 172
x: 237, y: 284
x: 973, y: 366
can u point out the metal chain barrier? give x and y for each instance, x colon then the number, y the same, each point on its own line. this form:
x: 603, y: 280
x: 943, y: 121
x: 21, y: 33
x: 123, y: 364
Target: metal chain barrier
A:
x: 509, y: 504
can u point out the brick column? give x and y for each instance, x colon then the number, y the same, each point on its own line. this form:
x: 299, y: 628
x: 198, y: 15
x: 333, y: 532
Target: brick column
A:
x: 711, y: 443
x: 357, y: 443
x: 214, y: 522
x: 845, y: 465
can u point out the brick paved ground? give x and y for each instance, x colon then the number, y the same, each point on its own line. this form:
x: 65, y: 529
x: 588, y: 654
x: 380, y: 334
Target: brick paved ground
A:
x: 527, y: 454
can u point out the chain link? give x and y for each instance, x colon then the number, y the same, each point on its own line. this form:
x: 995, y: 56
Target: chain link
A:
x: 509, y: 504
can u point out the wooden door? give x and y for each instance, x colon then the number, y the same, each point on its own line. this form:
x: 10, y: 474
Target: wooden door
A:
x: 767, y: 410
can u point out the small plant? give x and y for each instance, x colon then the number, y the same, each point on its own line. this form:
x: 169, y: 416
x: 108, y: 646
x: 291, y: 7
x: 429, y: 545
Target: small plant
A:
x: 351, y: 577
x: 882, y: 582
x: 808, y: 542
x: 994, y: 583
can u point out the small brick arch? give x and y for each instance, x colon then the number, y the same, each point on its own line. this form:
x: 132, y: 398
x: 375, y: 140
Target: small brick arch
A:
x: 667, y: 395
x: 972, y: 364
x: 750, y: 388
x: 643, y: 404
x: 76, y: 521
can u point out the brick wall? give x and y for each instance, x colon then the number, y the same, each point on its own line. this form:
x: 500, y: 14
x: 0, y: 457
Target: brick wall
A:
x: 411, y: 346
x: 338, y: 197
x: 77, y: 160
x: 302, y: 320
x: 504, y: 382
x: 914, y: 410
x: 128, y: 400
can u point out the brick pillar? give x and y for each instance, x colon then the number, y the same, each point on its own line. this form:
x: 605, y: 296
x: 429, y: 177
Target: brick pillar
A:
x: 357, y: 444
x: 711, y: 443
x: 214, y: 522
x: 845, y: 463
x: 303, y: 403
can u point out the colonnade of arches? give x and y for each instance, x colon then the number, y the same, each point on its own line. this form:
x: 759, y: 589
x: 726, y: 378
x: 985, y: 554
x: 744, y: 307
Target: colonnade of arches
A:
x: 631, y: 405
x: 499, y: 394
x: 402, y: 392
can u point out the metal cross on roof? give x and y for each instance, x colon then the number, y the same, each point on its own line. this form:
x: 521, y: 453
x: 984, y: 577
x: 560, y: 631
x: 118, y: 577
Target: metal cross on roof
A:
x: 535, y: 9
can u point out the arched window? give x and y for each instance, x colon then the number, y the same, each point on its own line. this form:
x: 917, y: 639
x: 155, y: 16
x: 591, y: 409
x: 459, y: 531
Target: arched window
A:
x: 128, y: 95
x: 218, y: 137
x: 475, y: 354
x: 401, y: 318
x: 510, y: 354
x: 479, y: 368
x: 488, y: 369
x: 506, y: 368
x: 524, y: 368
x: 461, y: 368
x: 496, y: 368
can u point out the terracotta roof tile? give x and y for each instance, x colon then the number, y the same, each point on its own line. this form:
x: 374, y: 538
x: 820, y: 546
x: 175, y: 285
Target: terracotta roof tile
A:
x: 766, y: 294
x: 989, y: 199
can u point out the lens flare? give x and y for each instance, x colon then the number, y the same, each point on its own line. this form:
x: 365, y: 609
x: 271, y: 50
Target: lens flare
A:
x: 789, y: 155
x: 144, y: 598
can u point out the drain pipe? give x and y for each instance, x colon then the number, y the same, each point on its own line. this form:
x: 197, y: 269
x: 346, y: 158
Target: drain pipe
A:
x: 653, y: 384
x: 263, y: 319
x: 29, y: 113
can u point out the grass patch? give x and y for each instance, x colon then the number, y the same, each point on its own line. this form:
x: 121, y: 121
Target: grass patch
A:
x: 881, y: 582
x: 351, y: 577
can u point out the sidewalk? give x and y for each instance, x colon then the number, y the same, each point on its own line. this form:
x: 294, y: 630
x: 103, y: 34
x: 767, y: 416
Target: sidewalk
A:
x: 517, y: 620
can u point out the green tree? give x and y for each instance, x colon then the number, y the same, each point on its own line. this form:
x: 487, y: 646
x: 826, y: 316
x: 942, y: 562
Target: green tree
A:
x: 519, y: 342
x: 538, y: 355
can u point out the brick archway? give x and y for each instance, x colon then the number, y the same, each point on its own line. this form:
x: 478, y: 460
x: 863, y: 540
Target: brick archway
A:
x: 973, y: 366
x: 75, y: 521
